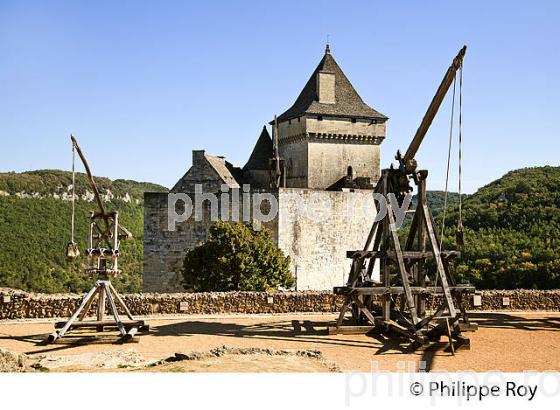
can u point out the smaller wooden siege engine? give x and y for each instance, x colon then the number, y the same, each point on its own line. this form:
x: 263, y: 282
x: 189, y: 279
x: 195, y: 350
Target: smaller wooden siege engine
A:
x: 104, y: 239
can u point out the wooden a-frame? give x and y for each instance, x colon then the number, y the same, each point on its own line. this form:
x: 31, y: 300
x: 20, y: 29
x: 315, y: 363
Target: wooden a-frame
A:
x: 405, y: 283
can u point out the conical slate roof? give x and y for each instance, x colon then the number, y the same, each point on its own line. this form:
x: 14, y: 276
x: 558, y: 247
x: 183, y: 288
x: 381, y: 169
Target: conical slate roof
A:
x: 347, y: 101
x: 259, y: 159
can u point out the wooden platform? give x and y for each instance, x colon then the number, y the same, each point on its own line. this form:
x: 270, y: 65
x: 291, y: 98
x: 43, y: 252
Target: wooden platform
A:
x: 128, y: 324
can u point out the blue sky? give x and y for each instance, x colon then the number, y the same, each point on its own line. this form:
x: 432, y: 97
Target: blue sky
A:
x: 141, y: 84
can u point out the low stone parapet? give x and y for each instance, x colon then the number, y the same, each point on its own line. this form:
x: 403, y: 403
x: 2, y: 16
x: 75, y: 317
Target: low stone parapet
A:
x: 16, y: 304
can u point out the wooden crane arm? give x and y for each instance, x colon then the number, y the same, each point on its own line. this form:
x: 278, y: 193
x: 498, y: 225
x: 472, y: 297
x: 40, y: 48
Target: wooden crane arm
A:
x: 434, y: 107
x: 89, y: 175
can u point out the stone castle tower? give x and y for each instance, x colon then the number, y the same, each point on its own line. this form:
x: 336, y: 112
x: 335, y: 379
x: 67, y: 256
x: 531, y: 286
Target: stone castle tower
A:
x: 330, y: 133
x: 329, y: 142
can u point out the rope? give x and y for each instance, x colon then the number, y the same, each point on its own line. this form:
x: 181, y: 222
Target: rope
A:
x: 459, y: 222
x: 73, y: 188
x: 460, y: 218
x: 448, y: 164
x: 446, y: 179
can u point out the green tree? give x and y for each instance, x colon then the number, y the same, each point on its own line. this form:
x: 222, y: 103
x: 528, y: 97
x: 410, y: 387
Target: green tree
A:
x: 236, y: 257
x: 512, y: 232
x: 35, y: 227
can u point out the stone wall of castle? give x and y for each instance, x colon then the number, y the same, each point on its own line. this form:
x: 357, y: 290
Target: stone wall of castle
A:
x: 165, y: 249
x: 295, y: 154
x: 319, y: 152
x: 315, y: 228
x: 200, y: 173
x: 345, y: 126
x: 295, y: 127
x: 330, y: 159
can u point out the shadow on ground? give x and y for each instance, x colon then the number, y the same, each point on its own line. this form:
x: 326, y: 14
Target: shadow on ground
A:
x: 508, y: 321
x: 306, y: 331
x: 381, y: 344
x: 288, y: 331
x: 71, y: 340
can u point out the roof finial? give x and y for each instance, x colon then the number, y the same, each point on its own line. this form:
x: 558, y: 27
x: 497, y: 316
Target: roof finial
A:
x: 327, y: 48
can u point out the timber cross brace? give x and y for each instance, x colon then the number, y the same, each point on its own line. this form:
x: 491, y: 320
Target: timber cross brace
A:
x: 406, y: 282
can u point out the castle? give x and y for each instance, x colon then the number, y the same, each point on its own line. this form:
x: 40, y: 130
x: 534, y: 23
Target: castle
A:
x: 329, y: 143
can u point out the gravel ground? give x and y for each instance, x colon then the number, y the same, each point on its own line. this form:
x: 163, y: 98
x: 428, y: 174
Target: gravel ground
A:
x: 504, y: 342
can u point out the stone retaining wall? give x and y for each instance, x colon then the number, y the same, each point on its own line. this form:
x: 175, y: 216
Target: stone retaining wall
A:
x: 15, y: 304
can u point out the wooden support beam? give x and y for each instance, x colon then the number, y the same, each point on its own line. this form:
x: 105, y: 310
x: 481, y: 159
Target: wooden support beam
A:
x: 88, y: 304
x: 406, y: 254
x: 343, y: 311
x: 384, y: 245
x: 115, y: 311
x: 120, y: 300
x: 60, y: 333
x: 364, y: 310
x: 350, y: 330
x: 104, y: 323
x: 430, y: 229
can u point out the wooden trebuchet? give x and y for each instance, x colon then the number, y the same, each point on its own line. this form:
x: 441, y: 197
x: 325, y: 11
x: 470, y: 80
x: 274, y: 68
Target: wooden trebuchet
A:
x: 105, y: 235
x: 405, y: 283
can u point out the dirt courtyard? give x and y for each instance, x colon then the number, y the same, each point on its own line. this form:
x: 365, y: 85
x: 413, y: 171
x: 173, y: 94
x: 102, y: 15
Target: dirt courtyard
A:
x: 505, y: 341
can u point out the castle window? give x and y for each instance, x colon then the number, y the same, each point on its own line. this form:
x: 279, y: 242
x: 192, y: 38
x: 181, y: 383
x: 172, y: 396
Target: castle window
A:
x: 297, y: 119
x: 353, y: 120
x: 289, y: 121
x: 320, y: 118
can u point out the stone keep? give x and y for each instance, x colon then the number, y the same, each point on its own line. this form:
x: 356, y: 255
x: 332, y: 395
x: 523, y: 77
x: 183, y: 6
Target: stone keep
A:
x: 330, y: 132
x: 329, y: 141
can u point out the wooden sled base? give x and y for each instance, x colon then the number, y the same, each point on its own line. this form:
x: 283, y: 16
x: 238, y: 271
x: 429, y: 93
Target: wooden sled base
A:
x: 105, y: 294
x: 456, y: 341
